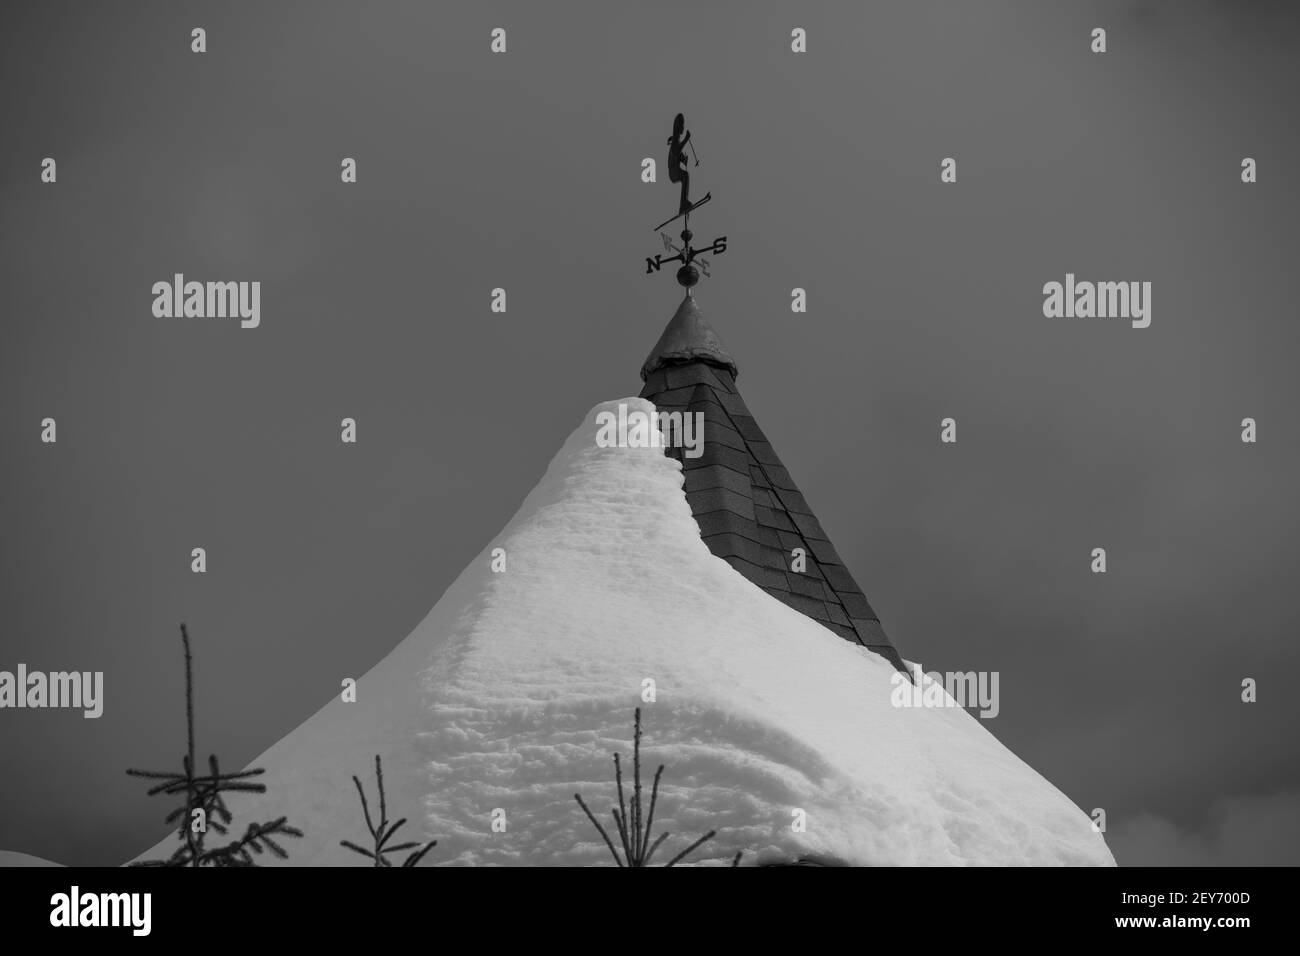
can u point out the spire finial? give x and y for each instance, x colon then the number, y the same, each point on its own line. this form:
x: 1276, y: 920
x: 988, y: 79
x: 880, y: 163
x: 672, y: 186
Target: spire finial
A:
x: 679, y: 172
x: 688, y: 337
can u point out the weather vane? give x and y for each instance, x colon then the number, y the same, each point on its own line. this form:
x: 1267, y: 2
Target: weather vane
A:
x: 679, y: 172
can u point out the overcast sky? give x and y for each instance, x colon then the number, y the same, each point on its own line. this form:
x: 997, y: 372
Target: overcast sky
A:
x: 522, y: 171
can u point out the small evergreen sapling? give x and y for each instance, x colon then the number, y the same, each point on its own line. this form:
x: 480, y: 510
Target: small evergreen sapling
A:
x: 383, y: 832
x: 205, y: 794
x: 634, y: 834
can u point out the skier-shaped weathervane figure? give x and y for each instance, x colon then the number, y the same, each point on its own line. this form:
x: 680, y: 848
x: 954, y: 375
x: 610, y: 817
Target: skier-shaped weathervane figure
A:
x: 678, y: 167
x: 679, y: 172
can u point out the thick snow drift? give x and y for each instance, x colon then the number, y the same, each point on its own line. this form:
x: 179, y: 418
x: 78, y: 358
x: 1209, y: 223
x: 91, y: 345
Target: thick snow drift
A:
x: 517, y: 687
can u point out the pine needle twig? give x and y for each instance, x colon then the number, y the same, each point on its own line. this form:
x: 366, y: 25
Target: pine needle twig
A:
x: 380, y: 834
x: 205, y: 795
x: 633, y: 828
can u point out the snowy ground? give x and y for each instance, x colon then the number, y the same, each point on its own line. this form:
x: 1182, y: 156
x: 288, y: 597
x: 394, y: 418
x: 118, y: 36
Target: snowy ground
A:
x: 517, y: 687
x: 13, y: 858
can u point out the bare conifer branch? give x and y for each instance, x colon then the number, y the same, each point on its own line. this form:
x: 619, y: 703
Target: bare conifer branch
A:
x: 634, y: 828
x: 206, y: 794
x: 383, y: 832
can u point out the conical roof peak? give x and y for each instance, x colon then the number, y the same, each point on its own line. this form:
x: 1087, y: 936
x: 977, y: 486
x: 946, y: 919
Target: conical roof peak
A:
x: 688, y: 337
x: 748, y: 509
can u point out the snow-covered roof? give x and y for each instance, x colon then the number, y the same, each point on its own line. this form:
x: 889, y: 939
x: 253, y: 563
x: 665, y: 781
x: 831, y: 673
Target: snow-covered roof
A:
x: 512, y: 693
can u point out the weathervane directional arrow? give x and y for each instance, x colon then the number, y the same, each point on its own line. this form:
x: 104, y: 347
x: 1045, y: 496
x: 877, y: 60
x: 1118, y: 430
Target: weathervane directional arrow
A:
x: 679, y: 172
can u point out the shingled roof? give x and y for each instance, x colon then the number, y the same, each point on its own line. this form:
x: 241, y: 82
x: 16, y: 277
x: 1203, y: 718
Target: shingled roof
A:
x: 749, y: 510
